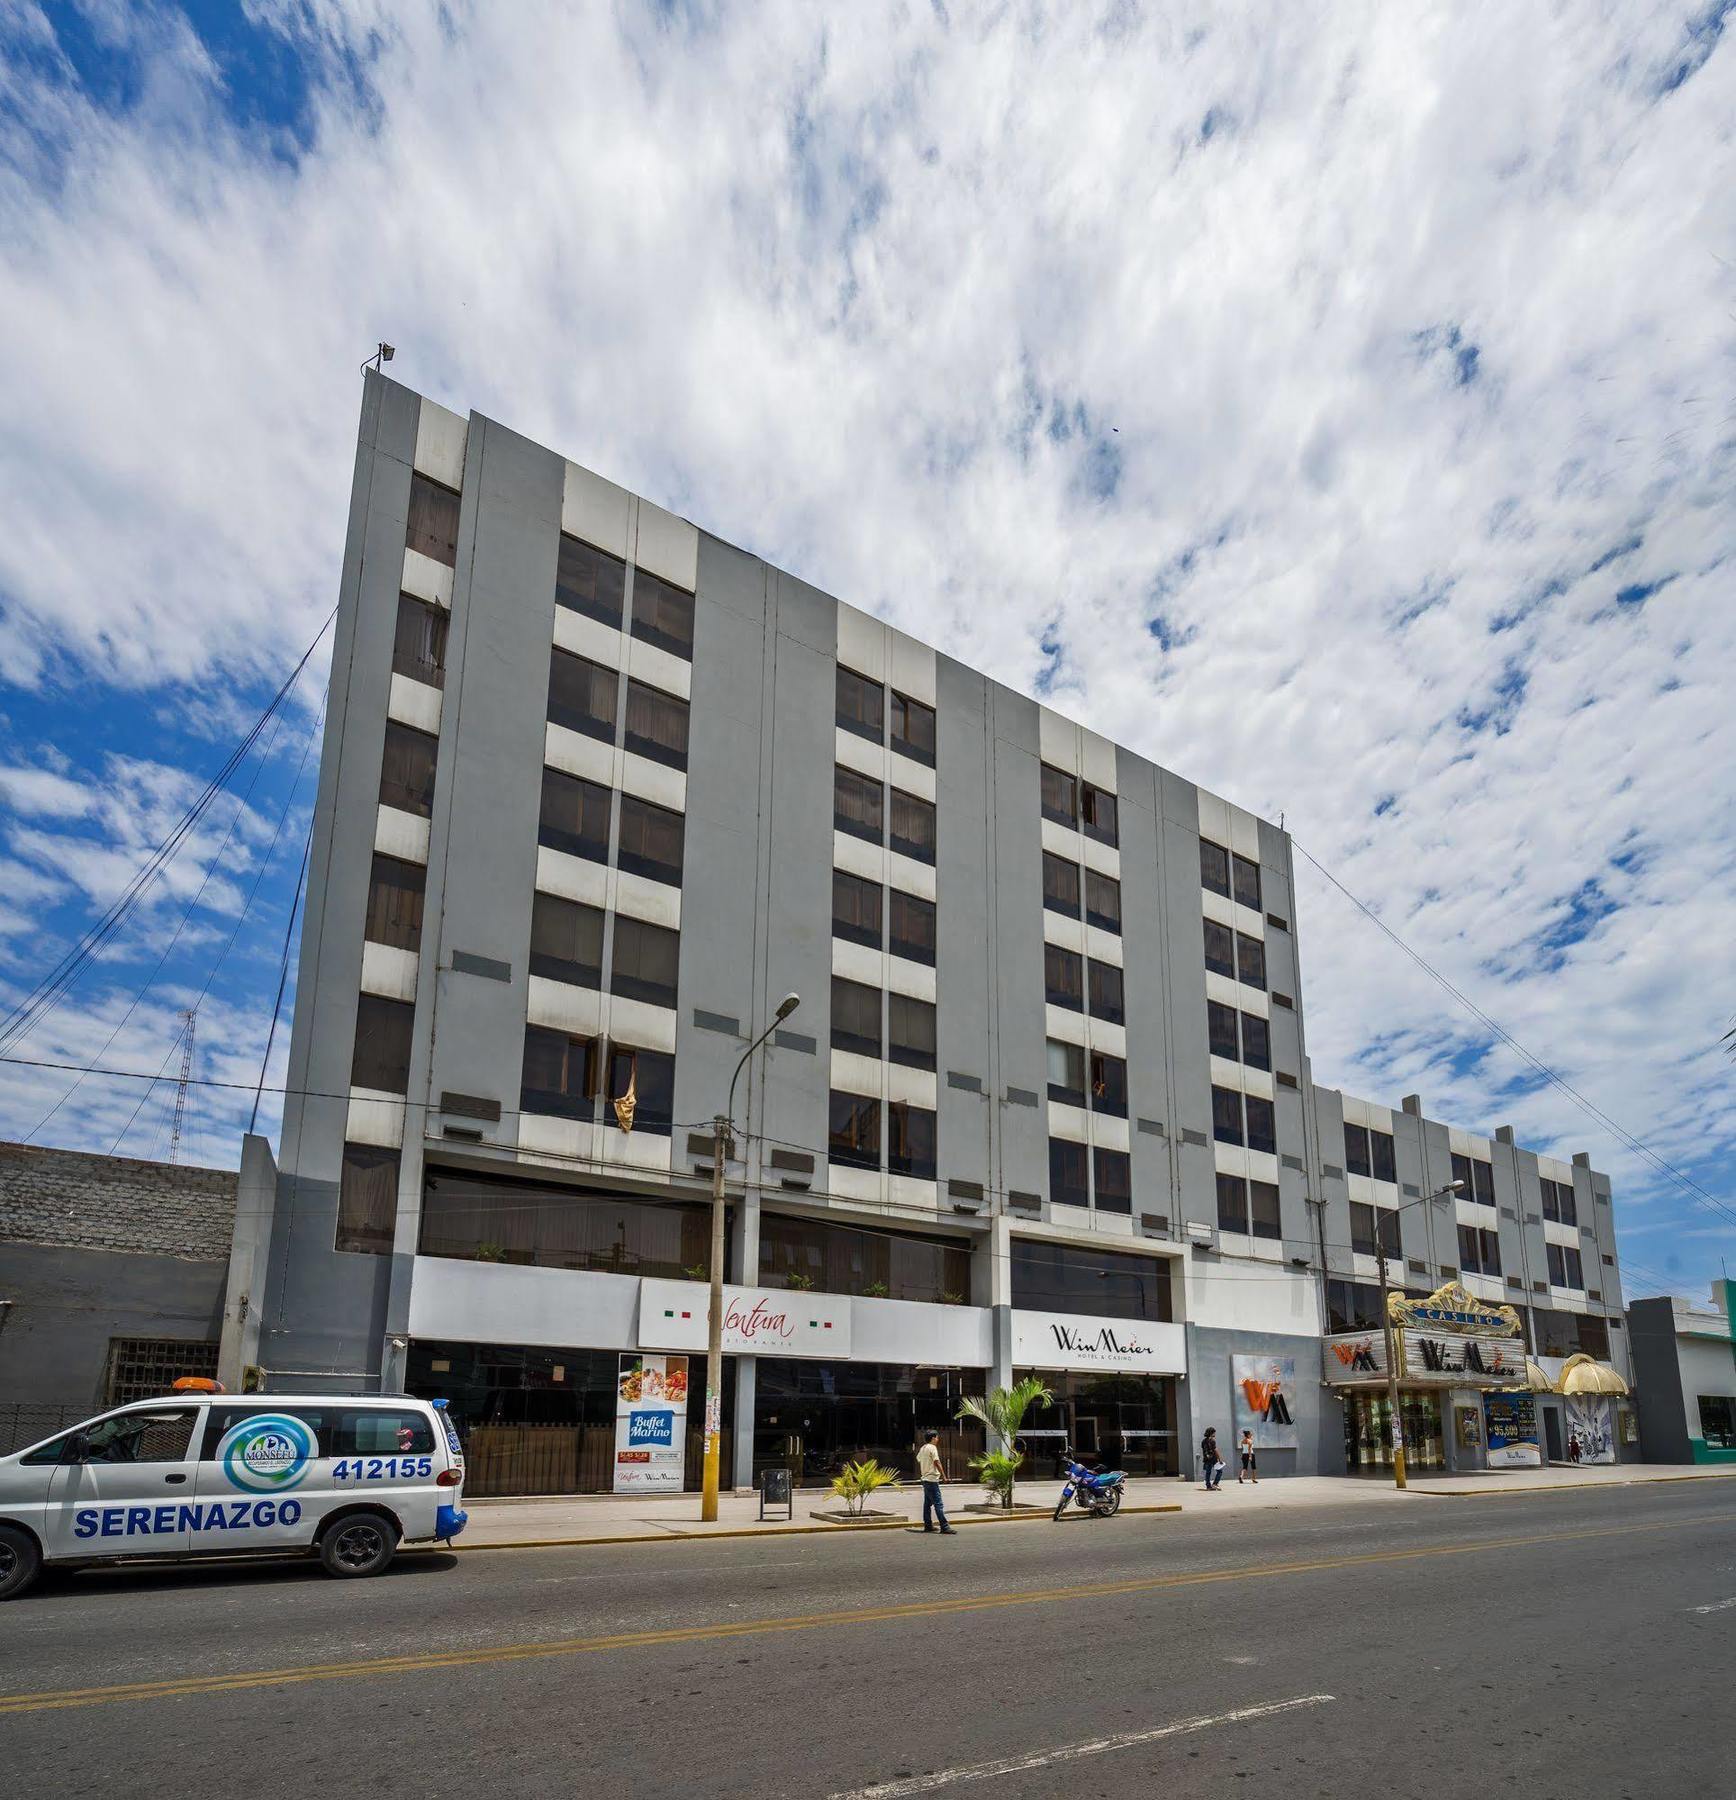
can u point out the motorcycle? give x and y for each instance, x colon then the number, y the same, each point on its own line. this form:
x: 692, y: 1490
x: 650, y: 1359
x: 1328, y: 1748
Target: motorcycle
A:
x: 1098, y: 1493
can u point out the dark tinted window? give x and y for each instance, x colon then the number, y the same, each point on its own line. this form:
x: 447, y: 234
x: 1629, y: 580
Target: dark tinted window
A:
x: 912, y: 927
x: 575, y: 816
x: 1384, y: 1159
x: 1062, y: 1278
x: 1107, y: 1001
x: 1262, y: 1125
x: 1483, y: 1183
x: 1356, y: 1149
x: 395, y: 893
x: 590, y: 581
x: 1060, y: 884
x: 367, y: 1199
x: 1263, y: 1205
x: 651, y: 840
x: 1220, y: 949
x: 560, y: 1073
x: 847, y: 1259
x: 582, y: 695
x: 855, y: 1017
x: 1221, y: 1030
x: 913, y: 729
x: 861, y: 705
x: 1060, y: 797
x: 1100, y: 815
x: 1113, y: 1170
x: 432, y: 526
x: 407, y: 769
x: 1226, y: 1115
x: 910, y: 1031
x: 910, y: 1141
x: 1214, y: 867
x: 1233, y: 1204
x: 1250, y: 961
x: 419, y: 644
x: 656, y: 725
x: 566, y: 941
x: 1069, y: 1173
x: 382, y: 1055
x: 1246, y: 876
x: 1256, y: 1042
x: 913, y: 826
x: 853, y: 1134
x: 1066, y: 1073
x: 1108, y: 1085
x: 662, y: 614
x: 856, y: 909
x: 649, y: 1076
x: 645, y: 961
x: 1064, y: 977
x: 1103, y: 901
x: 857, y: 805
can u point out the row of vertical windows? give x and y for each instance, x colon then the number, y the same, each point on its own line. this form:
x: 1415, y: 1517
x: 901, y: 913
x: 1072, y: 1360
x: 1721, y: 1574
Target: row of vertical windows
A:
x: 1077, y: 1076
x: 566, y: 944
x: 862, y: 708
x: 575, y: 819
x: 565, y: 1075
x: 583, y: 696
x: 1077, y: 1172
x: 1235, y: 954
x: 1249, y: 1207
x: 1558, y: 1202
x: 859, y: 808
x: 1478, y: 1180
x: 1079, y: 805
x: 1065, y: 984
x: 1368, y: 1152
x: 1244, y: 1119
x: 1061, y: 891
x: 1565, y: 1267
x: 1235, y: 877
x: 1374, y: 1230
x: 859, y: 916
x: 592, y: 582
x: 909, y: 1037
x: 1239, y: 1036
x: 853, y: 1135
x: 1479, y: 1250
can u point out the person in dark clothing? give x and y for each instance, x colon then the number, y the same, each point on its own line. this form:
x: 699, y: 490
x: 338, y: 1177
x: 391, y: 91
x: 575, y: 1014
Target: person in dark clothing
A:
x: 1212, y: 1458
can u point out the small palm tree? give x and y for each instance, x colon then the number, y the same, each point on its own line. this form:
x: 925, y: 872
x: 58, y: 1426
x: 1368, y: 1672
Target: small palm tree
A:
x: 1003, y: 1412
x: 858, y: 1481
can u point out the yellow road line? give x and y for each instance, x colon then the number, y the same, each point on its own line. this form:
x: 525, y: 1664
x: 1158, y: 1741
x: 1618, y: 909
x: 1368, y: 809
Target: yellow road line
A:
x: 693, y: 1634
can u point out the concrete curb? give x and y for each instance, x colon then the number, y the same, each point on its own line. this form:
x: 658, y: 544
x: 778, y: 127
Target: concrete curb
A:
x: 1565, y: 1487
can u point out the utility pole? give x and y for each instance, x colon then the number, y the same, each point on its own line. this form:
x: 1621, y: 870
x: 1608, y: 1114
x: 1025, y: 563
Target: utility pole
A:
x: 189, y: 1019
x: 1395, y: 1422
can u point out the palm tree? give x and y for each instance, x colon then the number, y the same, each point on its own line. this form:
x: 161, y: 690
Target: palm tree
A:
x: 1003, y: 1412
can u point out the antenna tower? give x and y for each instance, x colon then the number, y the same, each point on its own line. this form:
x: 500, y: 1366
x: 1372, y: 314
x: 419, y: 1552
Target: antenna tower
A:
x: 189, y: 1019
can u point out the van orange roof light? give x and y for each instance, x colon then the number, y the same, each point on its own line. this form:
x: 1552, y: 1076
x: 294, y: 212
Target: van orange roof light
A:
x: 197, y: 1384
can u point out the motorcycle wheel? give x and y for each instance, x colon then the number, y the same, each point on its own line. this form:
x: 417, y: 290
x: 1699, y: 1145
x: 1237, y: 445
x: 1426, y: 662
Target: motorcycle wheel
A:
x: 1060, y: 1507
x: 1114, y: 1503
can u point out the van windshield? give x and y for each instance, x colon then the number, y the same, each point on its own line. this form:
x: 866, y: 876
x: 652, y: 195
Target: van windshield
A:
x: 140, y: 1437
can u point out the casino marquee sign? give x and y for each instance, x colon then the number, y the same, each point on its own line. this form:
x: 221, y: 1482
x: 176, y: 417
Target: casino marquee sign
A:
x: 1450, y: 1339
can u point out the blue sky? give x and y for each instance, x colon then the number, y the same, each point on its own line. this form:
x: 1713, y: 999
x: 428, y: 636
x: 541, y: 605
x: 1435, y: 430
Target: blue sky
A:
x: 1341, y: 410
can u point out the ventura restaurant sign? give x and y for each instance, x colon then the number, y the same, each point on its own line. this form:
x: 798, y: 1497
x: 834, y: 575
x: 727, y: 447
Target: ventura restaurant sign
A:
x: 675, y: 1315
x: 1064, y: 1341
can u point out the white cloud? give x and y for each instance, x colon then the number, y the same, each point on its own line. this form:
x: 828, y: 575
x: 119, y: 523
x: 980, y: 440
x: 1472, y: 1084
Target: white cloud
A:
x: 1379, y: 354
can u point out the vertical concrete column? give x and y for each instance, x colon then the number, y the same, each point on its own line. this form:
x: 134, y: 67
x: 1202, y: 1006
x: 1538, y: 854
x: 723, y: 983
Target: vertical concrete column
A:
x: 249, y: 1256
x: 744, y: 1269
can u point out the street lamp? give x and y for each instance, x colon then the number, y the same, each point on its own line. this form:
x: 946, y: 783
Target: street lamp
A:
x: 1397, y: 1428
x: 722, y: 1131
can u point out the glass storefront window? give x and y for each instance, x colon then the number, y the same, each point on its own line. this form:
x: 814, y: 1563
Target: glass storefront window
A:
x: 813, y: 1417
x: 1111, y: 1422
x: 846, y: 1259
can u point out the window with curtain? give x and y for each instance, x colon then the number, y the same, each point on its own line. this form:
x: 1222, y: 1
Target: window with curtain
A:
x: 861, y: 705
x: 913, y: 729
x: 566, y: 941
x: 913, y: 826
x: 1220, y: 949
x: 1108, y: 1002
x: 910, y: 1140
x: 1214, y: 867
x: 590, y: 581
x: 1100, y: 815
x: 912, y: 935
x: 382, y: 1054
x: 1250, y: 961
x: 575, y: 816
x: 1060, y: 796
x: 1221, y: 1030
x: 853, y: 1131
x: 395, y: 894
x: 407, y: 769
x: 1262, y: 1124
x: 858, y: 805
x: 1064, y: 977
x: 432, y: 525
x: 1113, y: 1173
x: 419, y: 643
x: 1233, y: 1204
x: 1108, y: 1085
x: 651, y: 1076
x: 644, y: 961
x: 1103, y: 901
x: 910, y: 1031
x: 582, y: 695
x: 1069, y: 1173
x: 855, y: 1017
x: 1060, y: 884
x: 1226, y: 1115
x: 1066, y: 1073
x: 1256, y: 1042
x: 856, y: 909
x: 652, y: 839
x: 656, y: 725
x: 1263, y: 1210
x: 367, y: 1199
x: 662, y: 614
x: 1246, y: 875
x: 560, y: 1073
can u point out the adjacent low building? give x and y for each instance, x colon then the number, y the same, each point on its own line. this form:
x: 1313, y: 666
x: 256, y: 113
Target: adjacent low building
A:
x: 1685, y: 1374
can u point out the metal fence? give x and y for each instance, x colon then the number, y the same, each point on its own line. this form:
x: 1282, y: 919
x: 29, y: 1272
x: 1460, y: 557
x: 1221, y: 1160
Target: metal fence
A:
x: 556, y: 1459
x: 23, y: 1422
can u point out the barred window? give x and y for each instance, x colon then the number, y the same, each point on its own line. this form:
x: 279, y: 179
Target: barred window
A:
x: 144, y: 1368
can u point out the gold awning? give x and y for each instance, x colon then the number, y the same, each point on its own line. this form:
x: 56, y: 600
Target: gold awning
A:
x: 1584, y: 1374
x: 1536, y: 1381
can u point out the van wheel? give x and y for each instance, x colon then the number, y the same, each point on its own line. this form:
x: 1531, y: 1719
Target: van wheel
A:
x: 20, y: 1561
x: 358, y: 1544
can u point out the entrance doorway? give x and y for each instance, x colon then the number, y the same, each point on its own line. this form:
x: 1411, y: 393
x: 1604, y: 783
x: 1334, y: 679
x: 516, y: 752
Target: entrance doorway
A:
x: 1122, y: 1422
x: 1553, y: 1449
x: 1368, y: 1431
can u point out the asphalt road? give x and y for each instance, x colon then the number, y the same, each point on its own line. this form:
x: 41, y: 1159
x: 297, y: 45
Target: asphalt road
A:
x: 1575, y: 1645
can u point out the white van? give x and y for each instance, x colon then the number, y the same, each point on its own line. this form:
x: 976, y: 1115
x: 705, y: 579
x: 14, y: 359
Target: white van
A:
x: 348, y: 1478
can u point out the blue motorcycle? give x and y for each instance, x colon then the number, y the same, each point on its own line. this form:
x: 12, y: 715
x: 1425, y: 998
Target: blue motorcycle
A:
x: 1098, y: 1494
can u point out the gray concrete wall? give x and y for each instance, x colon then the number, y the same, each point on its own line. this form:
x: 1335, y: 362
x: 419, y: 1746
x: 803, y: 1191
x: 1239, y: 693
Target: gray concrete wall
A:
x: 1205, y: 1398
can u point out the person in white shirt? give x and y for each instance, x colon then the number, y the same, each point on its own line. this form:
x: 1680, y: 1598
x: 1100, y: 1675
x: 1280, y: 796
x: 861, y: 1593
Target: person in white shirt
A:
x: 932, y: 1474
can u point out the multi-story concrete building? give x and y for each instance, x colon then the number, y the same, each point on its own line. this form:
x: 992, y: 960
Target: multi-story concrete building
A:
x: 598, y: 791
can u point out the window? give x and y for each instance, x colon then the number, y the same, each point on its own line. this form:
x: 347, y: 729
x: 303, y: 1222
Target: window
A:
x: 560, y: 1073
x: 1063, y: 977
x: 662, y: 614
x: 912, y: 934
x: 1220, y: 949
x: 1717, y: 1421
x: 395, y: 892
x: 854, y: 1135
x: 913, y: 729
x: 158, y: 1436
x: 651, y: 840
x: 1051, y: 1277
x: 1108, y: 1085
x: 1060, y: 884
x: 582, y: 695
x: 861, y: 705
x: 1483, y: 1183
x: 1352, y: 1306
x: 1221, y: 1030
x: 1103, y: 901
x: 910, y: 1031
x: 847, y: 1259
x: 1060, y: 797
x: 650, y: 1074
x: 143, y: 1368
x: 1262, y: 1125
x: 1246, y: 876
x: 1233, y: 1204
x: 1214, y: 867
x: 857, y: 805
x: 1069, y: 1174
x: 656, y: 725
x: 575, y: 816
x: 407, y: 769
x: 1107, y: 1002
x: 910, y: 1141
x: 1470, y: 1250
x: 645, y: 961
x: 419, y: 644
x: 367, y: 1199
x: 432, y: 526
x: 1356, y: 1149
x: 1113, y: 1170
x: 1489, y: 1251
x: 1385, y: 1157
x: 1564, y: 1267
x: 1365, y: 1222
x: 382, y: 1054
x: 855, y: 1017
x: 1100, y: 815
x: 1226, y: 1115
x: 1263, y: 1205
x: 1066, y: 1073
x: 566, y: 941
x: 912, y: 826
x: 856, y: 908
x: 1256, y: 1042
x: 590, y: 581
x: 1558, y: 1202
x: 1250, y: 961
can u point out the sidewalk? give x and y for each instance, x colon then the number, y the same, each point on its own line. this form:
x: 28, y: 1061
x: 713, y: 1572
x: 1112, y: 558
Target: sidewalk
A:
x: 608, y: 1519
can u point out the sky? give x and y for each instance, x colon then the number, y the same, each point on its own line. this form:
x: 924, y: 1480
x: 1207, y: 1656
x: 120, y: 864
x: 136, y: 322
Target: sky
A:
x: 1337, y: 405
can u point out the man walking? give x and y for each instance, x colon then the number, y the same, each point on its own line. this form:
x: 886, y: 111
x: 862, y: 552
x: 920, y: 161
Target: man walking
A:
x: 928, y: 1468
x: 1213, y: 1459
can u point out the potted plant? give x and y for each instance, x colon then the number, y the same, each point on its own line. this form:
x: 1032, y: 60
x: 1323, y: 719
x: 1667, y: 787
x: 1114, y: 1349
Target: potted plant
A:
x: 1003, y: 1412
x: 951, y: 1297
x: 495, y: 1253
x: 877, y: 1290
x: 799, y: 1281
x: 696, y: 1272
x: 858, y: 1481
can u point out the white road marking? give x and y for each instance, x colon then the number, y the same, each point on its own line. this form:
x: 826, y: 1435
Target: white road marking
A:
x: 1041, y: 1759
x: 1716, y: 1606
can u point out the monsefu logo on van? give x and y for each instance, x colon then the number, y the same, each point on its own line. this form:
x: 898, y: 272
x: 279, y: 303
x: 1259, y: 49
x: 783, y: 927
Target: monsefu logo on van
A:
x: 268, y: 1453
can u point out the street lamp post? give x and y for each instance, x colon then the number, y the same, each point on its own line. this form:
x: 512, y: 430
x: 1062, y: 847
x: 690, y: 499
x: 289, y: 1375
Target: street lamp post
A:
x: 722, y: 1132
x: 1394, y: 1423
